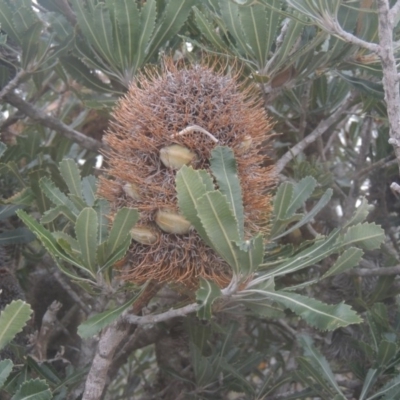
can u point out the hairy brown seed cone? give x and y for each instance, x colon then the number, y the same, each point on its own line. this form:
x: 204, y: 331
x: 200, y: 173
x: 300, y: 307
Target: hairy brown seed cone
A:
x: 194, y: 108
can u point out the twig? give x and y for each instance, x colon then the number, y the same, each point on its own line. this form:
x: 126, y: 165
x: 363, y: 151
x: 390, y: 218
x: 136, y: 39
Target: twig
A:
x: 13, y: 83
x: 390, y: 76
x: 153, y: 319
x: 310, y: 138
x: 393, y: 14
x: 384, y: 271
x: 48, y: 321
x: 53, y: 123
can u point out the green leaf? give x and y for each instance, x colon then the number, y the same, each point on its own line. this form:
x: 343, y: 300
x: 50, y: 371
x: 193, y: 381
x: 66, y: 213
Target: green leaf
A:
x: 12, y: 320
x: 221, y: 226
x: 251, y: 254
x: 301, y: 192
x: 174, y: 16
x: 6, y: 22
x: 30, y: 47
x: 33, y: 389
x: 223, y: 167
x: 283, y: 200
x: 386, y: 351
x: 8, y: 211
x: 322, y: 387
x: 369, y: 381
x: 117, y: 255
x: 191, y: 185
x: 207, y: 293
x: 367, y: 236
x: 315, y: 313
x: 55, y: 195
x: 350, y: 258
x: 25, y: 197
x: 86, y: 229
x: 124, y: 221
x: 360, y: 213
x: 72, y: 177
x: 369, y: 87
x: 391, y: 390
x: 95, y: 324
x: 320, y: 362
x: 260, y: 25
x: 322, y: 202
x: 208, y: 30
x: 68, y: 243
x: 53, y: 213
x: 89, y: 189
x: 79, y: 71
x: 6, y: 367
x: 50, y: 243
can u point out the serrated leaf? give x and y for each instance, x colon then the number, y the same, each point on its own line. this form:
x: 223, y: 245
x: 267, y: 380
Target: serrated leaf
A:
x: 259, y: 26
x: 350, y: 258
x: 369, y: 381
x: 322, y: 387
x: 50, y: 243
x: 283, y: 200
x: 94, y: 324
x: 72, y: 177
x: 89, y: 189
x: 221, y: 226
x: 124, y: 221
x: 55, y: 195
x: 25, y: 197
x: 230, y: 16
x: 301, y: 192
x: 360, y: 213
x: 6, y: 367
x: 117, y: 255
x: 30, y: 45
x: 391, y: 390
x: 68, y: 243
x: 315, y: 313
x: 322, y: 202
x: 12, y: 320
x: 223, y: 167
x: 386, y: 351
x: 79, y: 71
x: 207, y: 293
x: 319, y: 361
x: 33, y: 389
x: 53, y: 213
x: 367, y: 236
x: 174, y: 16
x: 191, y: 185
x: 86, y: 229
x: 208, y: 30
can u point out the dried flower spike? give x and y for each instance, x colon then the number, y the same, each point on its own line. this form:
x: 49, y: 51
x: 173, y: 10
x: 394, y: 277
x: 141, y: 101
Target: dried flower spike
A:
x: 190, y: 110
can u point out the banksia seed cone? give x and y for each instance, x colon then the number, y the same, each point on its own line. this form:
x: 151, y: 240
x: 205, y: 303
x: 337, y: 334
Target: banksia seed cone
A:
x: 149, y: 142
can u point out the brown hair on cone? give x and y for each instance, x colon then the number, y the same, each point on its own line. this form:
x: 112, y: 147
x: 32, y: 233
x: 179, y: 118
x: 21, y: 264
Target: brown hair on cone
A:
x: 156, y: 108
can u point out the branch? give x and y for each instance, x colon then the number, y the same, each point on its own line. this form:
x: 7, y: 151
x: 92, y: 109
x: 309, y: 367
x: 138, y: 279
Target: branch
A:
x: 13, y: 83
x: 318, y: 131
x: 385, y: 271
x: 334, y: 28
x: 52, y: 123
x: 393, y: 13
x: 110, y: 340
x: 390, y: 76
x: 153, y: 319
